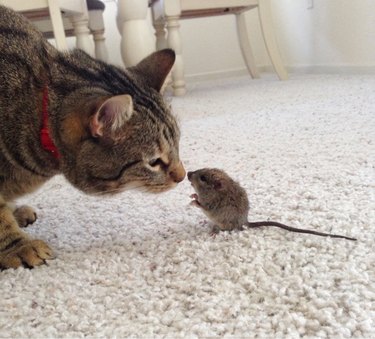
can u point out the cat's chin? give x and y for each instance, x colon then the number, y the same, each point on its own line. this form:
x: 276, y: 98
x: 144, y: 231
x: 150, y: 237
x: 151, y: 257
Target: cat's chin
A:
x: 155, y: 189
x: 108, y: 190
x: 152, y: 189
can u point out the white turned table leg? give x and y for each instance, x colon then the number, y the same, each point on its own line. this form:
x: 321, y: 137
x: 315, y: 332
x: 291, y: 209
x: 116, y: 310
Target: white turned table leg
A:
x: 136, y: 38
x: 161, y: 43
x: 100, y: 47
x: 57, y: 24
x: 174, y: 42
x: 269, y: 38
x: 243, y: 38
x: 80, y: 25
x: 160, y: 33
x: 96, y: 26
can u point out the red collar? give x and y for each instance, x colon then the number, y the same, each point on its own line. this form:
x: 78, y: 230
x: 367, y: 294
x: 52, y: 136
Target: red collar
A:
x: 45, y: 138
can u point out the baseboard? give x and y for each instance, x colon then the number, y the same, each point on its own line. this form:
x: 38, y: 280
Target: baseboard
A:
x: 299, y: 69
x: 230, y: 73
x: 325, y: 69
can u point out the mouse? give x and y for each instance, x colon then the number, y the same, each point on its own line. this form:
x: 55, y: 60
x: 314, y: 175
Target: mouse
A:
x: 226, y: 203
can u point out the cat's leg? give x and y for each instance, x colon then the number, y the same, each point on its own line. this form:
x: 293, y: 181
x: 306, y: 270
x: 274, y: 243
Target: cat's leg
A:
x: 25, y: 215
x: 16, y: 247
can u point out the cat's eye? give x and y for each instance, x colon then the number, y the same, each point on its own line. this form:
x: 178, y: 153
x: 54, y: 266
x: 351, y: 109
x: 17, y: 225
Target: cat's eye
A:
x: 203, y: 178
x: 156, y: 162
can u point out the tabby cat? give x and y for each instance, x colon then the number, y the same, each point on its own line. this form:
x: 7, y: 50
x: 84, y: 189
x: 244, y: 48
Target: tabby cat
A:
x: 104, y: 128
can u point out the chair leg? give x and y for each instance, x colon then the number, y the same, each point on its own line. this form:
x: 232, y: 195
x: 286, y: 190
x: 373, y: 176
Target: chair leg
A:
x: 136, y: 39
x: 80, y: 25
x: 243, y: 38
x: 160, y: 34
x: 100, y: 47
x: 174, y: 42
x: 57, y: 24
x: 96, y: 26
x: 270, y: 40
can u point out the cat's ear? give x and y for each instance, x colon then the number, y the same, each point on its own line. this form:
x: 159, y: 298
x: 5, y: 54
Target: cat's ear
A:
x: 111, y: 115
x: 155, y: 68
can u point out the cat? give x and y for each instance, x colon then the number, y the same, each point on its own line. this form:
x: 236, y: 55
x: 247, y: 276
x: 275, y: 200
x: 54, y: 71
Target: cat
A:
x: 106, y: 129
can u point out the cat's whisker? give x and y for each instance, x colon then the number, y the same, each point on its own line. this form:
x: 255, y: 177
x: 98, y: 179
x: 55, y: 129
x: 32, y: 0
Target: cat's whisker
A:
x: 106, y: 193
x: 118, y: 190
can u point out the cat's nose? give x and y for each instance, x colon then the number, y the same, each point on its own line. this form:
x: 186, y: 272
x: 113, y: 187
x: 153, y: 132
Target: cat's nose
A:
x: 178, y: 173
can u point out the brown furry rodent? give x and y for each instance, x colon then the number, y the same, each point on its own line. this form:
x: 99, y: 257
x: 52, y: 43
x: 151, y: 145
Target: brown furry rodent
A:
x: 226, y: 203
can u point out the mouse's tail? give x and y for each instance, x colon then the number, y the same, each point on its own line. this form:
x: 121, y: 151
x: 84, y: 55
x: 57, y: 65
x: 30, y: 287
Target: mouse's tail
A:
x: 297, y: 230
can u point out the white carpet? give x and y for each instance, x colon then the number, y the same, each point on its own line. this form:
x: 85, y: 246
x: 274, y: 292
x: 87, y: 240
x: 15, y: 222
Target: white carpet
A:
x: 143, y: 265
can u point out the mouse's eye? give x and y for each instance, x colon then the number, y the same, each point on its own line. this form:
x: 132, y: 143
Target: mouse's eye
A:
x: 203, y: 178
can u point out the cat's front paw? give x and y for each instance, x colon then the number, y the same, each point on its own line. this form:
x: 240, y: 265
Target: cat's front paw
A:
x: 25, y: 215
x: 27, y: 253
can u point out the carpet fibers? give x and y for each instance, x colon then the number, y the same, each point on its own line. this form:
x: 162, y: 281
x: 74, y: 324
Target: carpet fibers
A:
x: 138, y: 265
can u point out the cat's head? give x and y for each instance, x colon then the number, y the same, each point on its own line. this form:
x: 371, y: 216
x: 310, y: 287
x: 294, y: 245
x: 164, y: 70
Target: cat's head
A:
x: 124, y: 141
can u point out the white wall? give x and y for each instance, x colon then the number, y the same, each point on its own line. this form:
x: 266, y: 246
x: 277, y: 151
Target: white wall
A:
x: 331, y: 34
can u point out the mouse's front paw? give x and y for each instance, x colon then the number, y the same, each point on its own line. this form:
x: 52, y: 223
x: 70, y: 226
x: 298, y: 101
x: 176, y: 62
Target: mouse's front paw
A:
x: 25, y: 252
x: 195, y: 201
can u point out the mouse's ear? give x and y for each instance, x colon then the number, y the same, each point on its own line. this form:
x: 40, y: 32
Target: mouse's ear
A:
x: 217, y: 184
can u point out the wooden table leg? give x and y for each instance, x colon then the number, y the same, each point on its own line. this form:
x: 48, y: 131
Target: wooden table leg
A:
x: 265, y: 16
x: 137, y: 40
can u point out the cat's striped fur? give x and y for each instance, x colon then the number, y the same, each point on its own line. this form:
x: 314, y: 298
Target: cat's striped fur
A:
x: 111, y: 127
